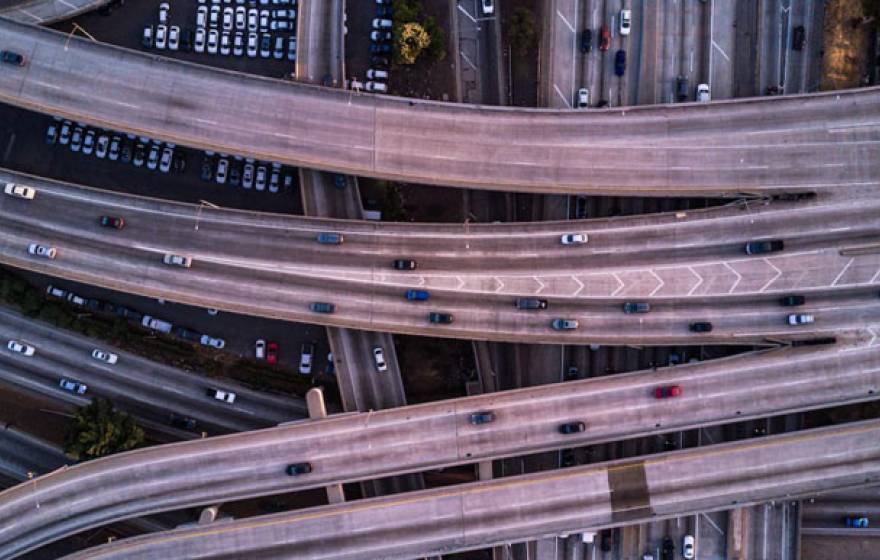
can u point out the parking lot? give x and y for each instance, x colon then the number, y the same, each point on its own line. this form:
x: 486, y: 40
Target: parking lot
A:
x: 125, y: 27
x: 362, y: 40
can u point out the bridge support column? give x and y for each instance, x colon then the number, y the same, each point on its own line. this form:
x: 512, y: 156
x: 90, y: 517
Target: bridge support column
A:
x: 318, y: 410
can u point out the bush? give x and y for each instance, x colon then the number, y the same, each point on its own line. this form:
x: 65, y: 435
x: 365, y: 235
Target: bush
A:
x: 411, y: 41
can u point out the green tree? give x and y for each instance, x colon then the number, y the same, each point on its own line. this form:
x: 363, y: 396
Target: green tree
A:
x: 521, y: 32
x: 392, y: 206
x: 98, y: 430
x: 437, y: 48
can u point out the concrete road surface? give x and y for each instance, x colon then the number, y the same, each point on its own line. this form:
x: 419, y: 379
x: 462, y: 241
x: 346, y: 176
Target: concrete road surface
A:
x: 148, y: 390
x: 557, y: 502
x: 690, y: 266
x: 435, y: 435
x: 779, y: 143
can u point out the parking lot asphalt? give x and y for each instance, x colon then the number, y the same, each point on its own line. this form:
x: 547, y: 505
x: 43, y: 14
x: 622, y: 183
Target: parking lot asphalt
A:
x: 125, y: 27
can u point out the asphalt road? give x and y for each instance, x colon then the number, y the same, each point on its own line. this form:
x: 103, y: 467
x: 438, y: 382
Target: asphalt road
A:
x: 477, y: 515
x: 148, y: 390
x: 690, y: 267
x: 391, y: 442
x: 787, y: 143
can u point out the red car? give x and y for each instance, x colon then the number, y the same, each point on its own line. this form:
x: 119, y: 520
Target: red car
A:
x: 666, y: 392
x: 604, y: 38
x: 272, y: 353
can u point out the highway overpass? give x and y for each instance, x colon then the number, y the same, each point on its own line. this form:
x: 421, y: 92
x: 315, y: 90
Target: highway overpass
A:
x: 472, y: 516
x: 45, y: 12
x: 390, y: 442
x: 789, y: 143
x: 689, y: 266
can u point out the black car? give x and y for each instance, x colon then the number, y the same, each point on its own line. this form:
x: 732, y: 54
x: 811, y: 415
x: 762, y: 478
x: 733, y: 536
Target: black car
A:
x: 127, y: 313
x: 384, y: 11
x: 701, y: 326
x: 114, y: 222
x: 798, y: 38
x: 440, y: 318
x: 207, y: 171
x: 636, y: 307
x: 792, y: 301
x: 339, y: 181
x: 571, y: 373
x: 187, y: 37
x: 10, y: 57
x: 572, y: 428
x: 586, y: 40
x: 182, y: 422
x: 380, y: 62
x: 483, y: 417
x: 140, y: 154
x: 668, y: 551
x: 108, y: 307
x: 619, y: 62
x: 531, y: 303
x: 297, y: 469
x: 178, y: 162
x: 404, y: 264
x: 768, y: 246
x: 93, y: 304
x: 125, y: 153
x: 380, y: 48
x: 234, y: 176
x: 188, y: 334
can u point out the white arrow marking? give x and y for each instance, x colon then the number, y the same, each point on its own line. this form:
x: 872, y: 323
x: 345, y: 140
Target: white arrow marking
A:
x: 421, y: 281
x: 541, y: 289
x: 874, y: 278
x: 778, y: 274
x: 460, y: 282
x: 838, y: 277
x: 619, y: 281
x: 738, y: 277
x: 500, y: 284
x: 698, y: 284
x: 579, y: 283
x: 662, y: 283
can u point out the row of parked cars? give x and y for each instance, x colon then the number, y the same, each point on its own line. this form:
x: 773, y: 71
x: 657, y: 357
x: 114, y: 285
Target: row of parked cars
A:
x: 381, y: 38
x: 245, y: 172
x: 104, y: 144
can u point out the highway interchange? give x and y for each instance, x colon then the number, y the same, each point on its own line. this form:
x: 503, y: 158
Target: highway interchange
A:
x: 690, y: 266
x: 434, y: 435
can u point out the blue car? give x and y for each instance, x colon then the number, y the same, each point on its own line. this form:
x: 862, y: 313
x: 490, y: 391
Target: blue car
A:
x: 416, y: 295
x: 856, y: 522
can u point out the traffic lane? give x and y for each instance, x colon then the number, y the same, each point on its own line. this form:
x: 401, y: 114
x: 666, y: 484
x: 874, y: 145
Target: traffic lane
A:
x: 374, y: 389
x: 660, y: 238
x: 365, y: 305
x: 563, y: 55
x: 290, y: 123
x: 477, y: 515
x: 406, y: 439
x: 135, y: 380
